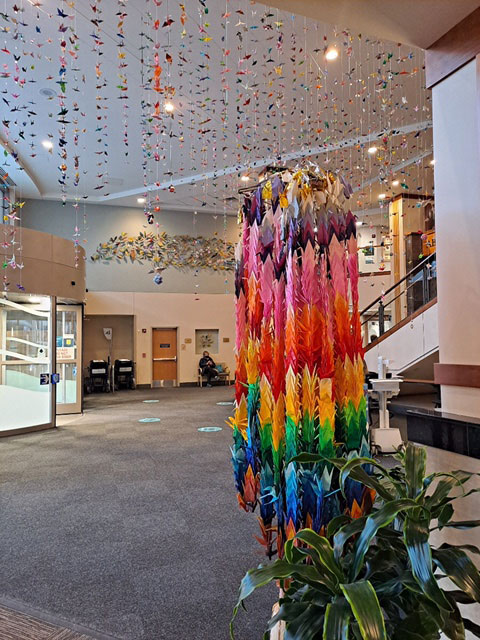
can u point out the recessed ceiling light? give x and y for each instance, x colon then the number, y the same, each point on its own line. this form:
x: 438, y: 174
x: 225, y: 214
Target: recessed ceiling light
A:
x: 395, y: 183
x: 372, y: 150
x: 331, y: 54
x: 382, y: 196
x: 47, y: 92
x: 432, y: 161
x: 141, y: 200
x: 245, y: 178
x: 47, y: 144
x: 169, y: 107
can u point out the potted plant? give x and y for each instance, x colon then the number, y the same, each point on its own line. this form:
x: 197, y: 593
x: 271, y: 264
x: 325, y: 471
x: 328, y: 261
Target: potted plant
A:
x: 378, y: 577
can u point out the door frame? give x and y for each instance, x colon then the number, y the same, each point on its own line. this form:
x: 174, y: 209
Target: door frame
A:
x: 176, y: 381
x: 73, y: 407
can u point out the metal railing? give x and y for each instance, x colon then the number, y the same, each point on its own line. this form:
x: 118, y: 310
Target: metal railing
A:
x: 419, y: 286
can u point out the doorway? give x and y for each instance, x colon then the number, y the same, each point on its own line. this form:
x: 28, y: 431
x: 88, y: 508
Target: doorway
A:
x: 69, y: 359
x: 164, y: 354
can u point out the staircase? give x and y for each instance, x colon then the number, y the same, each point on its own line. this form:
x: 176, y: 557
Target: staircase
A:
x: 405, y: 317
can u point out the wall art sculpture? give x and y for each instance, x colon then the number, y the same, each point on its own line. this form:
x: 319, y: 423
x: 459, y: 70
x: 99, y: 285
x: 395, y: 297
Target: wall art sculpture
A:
x: 162, y: 250
x: 299, y: 378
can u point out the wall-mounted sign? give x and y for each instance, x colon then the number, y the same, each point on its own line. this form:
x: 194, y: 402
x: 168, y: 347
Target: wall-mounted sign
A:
x: 226, y: 339
x: 188, y: 341
x: 108, y: 332
x: 164, y: 345
x: 65, y: 353
x: 55, y: 378
x: 44, y: 378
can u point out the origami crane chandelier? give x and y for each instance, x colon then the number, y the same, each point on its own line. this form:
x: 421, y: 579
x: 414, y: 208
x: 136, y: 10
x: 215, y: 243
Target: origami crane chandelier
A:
x: 299, y: 378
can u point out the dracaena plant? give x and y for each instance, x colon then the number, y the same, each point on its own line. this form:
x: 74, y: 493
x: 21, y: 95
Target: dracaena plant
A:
x: 379, y: 577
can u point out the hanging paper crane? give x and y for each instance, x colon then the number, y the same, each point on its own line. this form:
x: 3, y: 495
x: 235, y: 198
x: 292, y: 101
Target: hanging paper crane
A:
x: 299, y: 378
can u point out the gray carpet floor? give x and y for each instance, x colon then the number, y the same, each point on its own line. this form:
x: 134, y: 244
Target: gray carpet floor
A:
x: 131, y: 529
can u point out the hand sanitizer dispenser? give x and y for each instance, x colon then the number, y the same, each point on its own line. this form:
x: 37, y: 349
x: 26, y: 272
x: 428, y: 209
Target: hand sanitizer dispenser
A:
x: 385, y: 438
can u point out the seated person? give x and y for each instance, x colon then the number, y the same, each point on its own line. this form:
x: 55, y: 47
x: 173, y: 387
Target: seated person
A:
x: 208, y: 368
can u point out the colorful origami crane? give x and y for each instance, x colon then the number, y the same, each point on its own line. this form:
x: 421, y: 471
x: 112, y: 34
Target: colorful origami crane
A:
x: 299, y: 378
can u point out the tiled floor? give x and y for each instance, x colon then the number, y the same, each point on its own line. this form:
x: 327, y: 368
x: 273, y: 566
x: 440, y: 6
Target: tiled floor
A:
x: 19, y: 626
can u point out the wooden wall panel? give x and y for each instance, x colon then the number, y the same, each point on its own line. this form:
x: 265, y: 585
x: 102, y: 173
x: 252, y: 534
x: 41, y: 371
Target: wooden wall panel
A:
x: 454, y: 49
x: 457, y: 375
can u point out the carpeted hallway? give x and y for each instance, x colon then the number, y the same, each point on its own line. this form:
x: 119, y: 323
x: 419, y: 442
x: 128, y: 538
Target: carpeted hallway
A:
x: 129, y: 529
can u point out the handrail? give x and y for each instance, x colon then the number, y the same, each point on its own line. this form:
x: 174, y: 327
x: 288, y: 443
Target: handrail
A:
x: 394, y: 286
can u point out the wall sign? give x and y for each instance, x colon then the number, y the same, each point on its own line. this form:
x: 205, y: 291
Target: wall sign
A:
x: 164, y: 345
x: 44, y: 378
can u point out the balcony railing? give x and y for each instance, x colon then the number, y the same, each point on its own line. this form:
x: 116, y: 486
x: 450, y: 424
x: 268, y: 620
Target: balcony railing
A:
x: 417, y: 288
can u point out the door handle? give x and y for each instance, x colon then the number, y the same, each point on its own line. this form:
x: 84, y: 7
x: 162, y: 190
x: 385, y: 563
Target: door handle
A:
x: 173, y: 359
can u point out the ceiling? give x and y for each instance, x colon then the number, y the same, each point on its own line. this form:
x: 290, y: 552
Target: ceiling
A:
x: 415, y: 22
x: 252, y: 87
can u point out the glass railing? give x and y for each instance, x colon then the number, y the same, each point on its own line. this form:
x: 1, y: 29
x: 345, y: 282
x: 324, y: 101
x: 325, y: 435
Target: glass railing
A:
x: 412, y: 292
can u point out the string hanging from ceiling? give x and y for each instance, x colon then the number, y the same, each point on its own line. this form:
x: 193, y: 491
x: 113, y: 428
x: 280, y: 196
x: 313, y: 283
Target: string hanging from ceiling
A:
x: 299, y: 376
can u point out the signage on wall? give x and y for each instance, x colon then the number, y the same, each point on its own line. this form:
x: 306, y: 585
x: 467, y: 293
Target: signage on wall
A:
x: 44, y: 378
x: 164, y: 345
x: 65, y: 353
x: 108, y: 332
x: 55, y: 378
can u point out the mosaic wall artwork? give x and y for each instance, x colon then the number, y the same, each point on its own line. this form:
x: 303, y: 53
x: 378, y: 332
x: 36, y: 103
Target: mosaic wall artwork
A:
x: 162, y: 250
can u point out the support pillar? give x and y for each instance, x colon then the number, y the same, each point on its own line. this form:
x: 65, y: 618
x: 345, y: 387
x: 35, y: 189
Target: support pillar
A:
x: 456, y: 134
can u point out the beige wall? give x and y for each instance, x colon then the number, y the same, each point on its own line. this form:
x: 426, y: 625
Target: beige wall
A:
x: 181, y: 310
x: 97, y: 347
x: 457, y: 223
x: 49, y: 265
x: 105, y: 221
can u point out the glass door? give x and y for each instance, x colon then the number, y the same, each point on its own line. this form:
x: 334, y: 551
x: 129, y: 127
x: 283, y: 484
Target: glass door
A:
x: 26, y: 363
x: 69, y: 358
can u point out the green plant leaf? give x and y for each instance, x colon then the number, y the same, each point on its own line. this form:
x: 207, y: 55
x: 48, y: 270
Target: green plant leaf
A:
x: 471, y: 548
x: 452, y: 623
x: 336, y: 523
x: 460, y: 597
x: 416, y: 534
x: 337, y: 619
x: 415, y: 465
x: 460, y: 569
x: 346, y: 532
x: 279, y: 570
x: 365, y: 607
x: 374, y: 522
x: 444, y: 486
x: 324, y: 550
x: 461, y: 524
x: 417, y: 625
x: 307, y: 626
x: 472, y: 627
x: 444, y: 515
x: 356, y: 472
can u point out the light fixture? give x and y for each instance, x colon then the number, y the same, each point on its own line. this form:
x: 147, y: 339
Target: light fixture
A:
x: 372, y: 150
x: 331, y: 54
x: 141, y: 200
x: 382, y: 196
x: 245, y: 178
x: 395, y: 183
x: 169, y: 107
x: 47, y: 144
x: 432, y: 161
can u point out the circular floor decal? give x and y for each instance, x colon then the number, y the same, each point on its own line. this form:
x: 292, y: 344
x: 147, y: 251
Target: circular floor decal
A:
x: 224, y: 404
x: 150, y: 401
x: 149, y: 420
x: 209, y: 429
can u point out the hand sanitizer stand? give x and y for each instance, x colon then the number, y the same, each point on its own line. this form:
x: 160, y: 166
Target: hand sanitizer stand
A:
x: 385, y: 438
